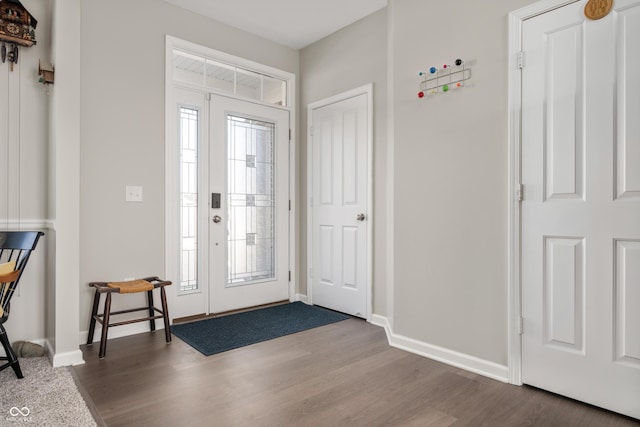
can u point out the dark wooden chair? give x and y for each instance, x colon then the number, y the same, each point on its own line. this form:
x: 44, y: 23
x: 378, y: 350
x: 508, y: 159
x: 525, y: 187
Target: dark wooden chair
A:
x: 15, y: 250
x: 147, y: 285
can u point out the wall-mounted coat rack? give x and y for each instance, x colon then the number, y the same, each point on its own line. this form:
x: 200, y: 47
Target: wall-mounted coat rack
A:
x: 442, y: 80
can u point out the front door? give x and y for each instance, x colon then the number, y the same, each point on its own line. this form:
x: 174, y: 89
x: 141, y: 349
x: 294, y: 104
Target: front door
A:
x: 249, y: 204
x: 340, y: 224
x: 581, y: 207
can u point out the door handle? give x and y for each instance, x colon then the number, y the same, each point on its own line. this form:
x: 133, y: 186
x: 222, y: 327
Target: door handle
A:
x: 361, y: 217
x: 217, y: 219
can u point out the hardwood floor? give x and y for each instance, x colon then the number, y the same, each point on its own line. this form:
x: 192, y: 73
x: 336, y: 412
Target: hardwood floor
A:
x: 337, y: 375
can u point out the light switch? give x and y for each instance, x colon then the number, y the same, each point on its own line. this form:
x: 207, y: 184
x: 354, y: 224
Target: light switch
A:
x: 133, y: 193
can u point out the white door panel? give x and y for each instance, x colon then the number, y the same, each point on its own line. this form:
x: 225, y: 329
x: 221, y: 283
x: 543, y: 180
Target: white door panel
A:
x: 340, y: 203
x: 581, y: 208
x: 627, y: 301
x: 628, y: 126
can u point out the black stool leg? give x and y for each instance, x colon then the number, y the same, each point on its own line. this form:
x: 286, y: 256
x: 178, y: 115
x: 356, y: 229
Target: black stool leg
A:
x: 105, y: 326
x: 12, y: 359
x: 152, y: 322
x: 94, y: 313
x: 165, y: 314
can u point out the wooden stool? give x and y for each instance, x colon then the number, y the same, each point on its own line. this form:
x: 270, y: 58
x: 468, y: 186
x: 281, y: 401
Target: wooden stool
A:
x: 147, y: 285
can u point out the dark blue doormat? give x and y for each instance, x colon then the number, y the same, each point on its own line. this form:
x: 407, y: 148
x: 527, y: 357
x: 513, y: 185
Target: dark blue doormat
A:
x: 224, y: 333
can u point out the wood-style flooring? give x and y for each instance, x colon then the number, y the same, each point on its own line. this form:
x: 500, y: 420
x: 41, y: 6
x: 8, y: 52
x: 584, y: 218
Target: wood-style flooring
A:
x: 344, y: 374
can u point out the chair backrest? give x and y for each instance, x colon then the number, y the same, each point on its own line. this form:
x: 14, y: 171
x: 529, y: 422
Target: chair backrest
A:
x: 16, y: 246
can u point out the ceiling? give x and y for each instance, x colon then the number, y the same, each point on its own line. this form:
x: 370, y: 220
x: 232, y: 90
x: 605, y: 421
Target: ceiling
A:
x: 292, y: 23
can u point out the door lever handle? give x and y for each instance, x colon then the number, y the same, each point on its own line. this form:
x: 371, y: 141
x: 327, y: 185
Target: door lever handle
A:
x: 361, y: 217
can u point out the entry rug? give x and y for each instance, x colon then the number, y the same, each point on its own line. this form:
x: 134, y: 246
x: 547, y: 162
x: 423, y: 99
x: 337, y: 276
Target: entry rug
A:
x: 224, y: 333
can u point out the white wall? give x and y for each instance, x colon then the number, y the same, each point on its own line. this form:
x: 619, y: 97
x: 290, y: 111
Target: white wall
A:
x: 123, y: 140
x: 350, y: 58
x: 450, y: 285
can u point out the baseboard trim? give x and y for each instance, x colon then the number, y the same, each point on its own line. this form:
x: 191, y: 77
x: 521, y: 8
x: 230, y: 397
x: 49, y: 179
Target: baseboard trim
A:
x: 302, y: 298
x: 381, y: 321
x: 70, y: 358
x: 120, y: 331
x: 450, y: 357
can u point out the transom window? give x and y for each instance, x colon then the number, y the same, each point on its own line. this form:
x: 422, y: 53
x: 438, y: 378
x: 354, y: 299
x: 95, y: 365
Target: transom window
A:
x: 215, y: 75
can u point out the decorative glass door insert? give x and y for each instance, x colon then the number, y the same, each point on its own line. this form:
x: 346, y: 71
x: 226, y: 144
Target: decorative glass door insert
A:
x: 188, y: 139
x: 251, y: 200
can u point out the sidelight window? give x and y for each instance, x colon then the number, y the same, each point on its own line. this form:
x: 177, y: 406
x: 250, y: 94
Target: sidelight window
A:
x: 188, y: 136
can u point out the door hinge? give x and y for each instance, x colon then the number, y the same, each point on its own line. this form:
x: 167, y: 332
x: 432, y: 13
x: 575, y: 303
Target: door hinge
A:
x: 289, y: 204
x: 289, y: 134
x: 289, y: 275
x: 521, y: 60
x: 520, y: 325
x: 311, y: 130
x: 520, y: 192
x: 310, y: 273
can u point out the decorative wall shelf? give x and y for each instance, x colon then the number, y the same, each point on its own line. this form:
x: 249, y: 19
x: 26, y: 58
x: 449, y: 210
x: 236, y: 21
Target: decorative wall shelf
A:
x: 444, y: 79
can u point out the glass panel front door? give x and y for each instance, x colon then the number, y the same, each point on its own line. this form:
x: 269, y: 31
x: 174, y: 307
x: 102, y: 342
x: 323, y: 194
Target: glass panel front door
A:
x: 249, y: 231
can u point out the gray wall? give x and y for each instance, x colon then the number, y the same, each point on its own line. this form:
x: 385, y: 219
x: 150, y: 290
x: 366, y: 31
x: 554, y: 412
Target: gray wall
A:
x: 123, y: 131
x: 450, y: 152
x: 450, y: 286
x: 349, y: 58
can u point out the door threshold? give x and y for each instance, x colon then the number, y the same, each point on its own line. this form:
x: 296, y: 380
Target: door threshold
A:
x: 203, y: 316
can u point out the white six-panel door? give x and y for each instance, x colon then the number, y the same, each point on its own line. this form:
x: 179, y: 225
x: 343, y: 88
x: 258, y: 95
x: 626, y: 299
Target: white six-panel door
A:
x: 340, y: 205
x: 581, y: 208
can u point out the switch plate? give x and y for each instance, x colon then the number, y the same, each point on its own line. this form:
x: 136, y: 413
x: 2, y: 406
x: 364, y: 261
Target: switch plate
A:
x: 133, y: 193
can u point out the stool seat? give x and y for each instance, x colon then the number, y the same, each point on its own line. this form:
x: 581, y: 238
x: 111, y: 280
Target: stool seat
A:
x: 131, y: 286
x: 148, y: 284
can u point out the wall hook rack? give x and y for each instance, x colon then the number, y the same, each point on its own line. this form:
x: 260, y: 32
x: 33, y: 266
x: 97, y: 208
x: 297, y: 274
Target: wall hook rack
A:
x: 443, y: 79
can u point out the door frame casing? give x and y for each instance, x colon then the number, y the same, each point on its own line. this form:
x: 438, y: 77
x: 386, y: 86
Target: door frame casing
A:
x: 514, y: 289
x: 362, y: 90
x: 171, y: 245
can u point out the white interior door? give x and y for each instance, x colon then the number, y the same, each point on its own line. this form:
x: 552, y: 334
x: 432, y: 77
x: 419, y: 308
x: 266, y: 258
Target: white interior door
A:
x: 249, y: 229
x: 340, y: 205
x: 581, y: 207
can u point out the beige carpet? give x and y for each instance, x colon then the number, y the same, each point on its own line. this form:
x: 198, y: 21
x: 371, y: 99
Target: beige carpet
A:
x: 44, y: 397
